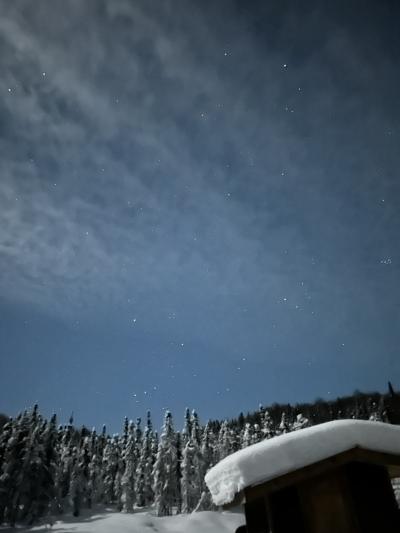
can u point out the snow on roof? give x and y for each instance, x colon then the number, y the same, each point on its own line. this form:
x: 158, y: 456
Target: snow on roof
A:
x: 274, y: 457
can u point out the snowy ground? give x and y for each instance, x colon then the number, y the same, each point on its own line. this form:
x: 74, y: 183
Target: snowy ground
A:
x: 142, y: 522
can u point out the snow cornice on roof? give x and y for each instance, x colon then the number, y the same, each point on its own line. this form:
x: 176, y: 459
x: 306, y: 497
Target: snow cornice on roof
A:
x: 276, y: 457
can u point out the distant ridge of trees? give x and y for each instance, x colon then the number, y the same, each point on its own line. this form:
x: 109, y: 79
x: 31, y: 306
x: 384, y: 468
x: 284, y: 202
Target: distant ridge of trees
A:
x: 359, y: 405
x: 47, y: 469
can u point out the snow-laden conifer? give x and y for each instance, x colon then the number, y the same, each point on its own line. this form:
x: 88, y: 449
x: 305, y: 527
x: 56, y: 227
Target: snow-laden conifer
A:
x: 300, y: 422
x: 144, y: 480
x: 192, y: 469
x: 64, y: 469
x: 78, y: 490
x: 27, y: 490
x: 119, y: 474
x: 207, y: 449
x: 195, y: 431
x: 226, y: 446
x: 267, y: 426
x: 95, y: 488
x: 207, y: 458
x: 284, y: 426
x: 257, y: 435
x: 165, y: 485
x: 128, y: 476
x: 15, y: 469
x: 187, y: 428
x: 110, y: 470
x: 44, y: 474
x: 246, y: 436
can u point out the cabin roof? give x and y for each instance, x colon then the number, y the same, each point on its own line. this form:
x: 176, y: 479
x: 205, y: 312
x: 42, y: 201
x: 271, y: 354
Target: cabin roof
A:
x: 273, y: 458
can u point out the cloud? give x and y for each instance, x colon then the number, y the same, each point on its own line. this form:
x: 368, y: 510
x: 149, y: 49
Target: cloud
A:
x: 158, y: 151
x: 101, y: 191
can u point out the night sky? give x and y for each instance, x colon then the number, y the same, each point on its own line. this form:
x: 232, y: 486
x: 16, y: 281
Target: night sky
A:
x: 199, y: 204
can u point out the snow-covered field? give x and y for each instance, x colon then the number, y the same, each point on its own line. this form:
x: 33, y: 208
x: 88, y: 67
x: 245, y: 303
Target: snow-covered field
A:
x: 142, y: 522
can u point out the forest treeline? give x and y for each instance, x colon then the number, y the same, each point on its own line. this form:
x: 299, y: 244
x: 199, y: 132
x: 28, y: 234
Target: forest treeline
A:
x: 359, y: 405
x: 47, y: 469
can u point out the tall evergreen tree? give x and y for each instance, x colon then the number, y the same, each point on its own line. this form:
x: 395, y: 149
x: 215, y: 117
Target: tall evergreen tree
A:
x: 128, y: 476
x: 246, y: 436
x: 27, y: 491
x: 45, y: 478
x: 284, y: 426
x: 188, y: 484
x: 257, y: 435
x: 143, y: 487
x: 225, y: 442
x: 206, y: 449
x: 166, y: 486
x: 76, y: 487
x: 14, y: 465
x: 95, y: 489
x: 187, y: 427
x: 267, y: 426
x: 110, y: 469
x: 192, y: 469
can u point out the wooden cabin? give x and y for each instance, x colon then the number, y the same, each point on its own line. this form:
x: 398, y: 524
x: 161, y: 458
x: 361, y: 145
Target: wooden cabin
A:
x: 309, y: 489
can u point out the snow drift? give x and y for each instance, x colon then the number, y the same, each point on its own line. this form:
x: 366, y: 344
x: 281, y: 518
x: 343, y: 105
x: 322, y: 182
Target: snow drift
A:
x: 142, y: 522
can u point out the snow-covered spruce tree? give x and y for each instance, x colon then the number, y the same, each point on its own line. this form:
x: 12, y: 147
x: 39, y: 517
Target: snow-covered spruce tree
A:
x: 166, y: 485
x: 76, y: 485
x: 41, y: 473
x: 28, y: 468
x: 119, y: 473
x: 64, y: 470
x: 154, y: 446
x: 92, y: 439
x: 257, y: 435
x: 128, y: 477
x: 138, y: 432
x: 66, y: 447
x: 79, y: 477
x: 300, y: 422
x: 235, y: 438
x: 267, y: 426
x: 179, y: 453
x: 187, y: 428
x: 26, y: 490
x: 102, y: 441
x: 189, y: 490
x: 207, y: 449
x: 13, y: 468
x: 144, y: 479
x: 95, y: 481
x: 110, y: 468
x: 192, y: 469
x: 195, y: 431
x: 284, y: 426
x: 51, y: 448
x: 246, y: 436
x: 5, y: 438
x: 208, y: 459
x: 225, y: 444
x: 125, y: 432
x: 5, y: 435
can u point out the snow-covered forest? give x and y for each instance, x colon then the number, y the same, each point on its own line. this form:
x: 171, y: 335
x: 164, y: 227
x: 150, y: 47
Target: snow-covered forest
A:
x: 50, y: 469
